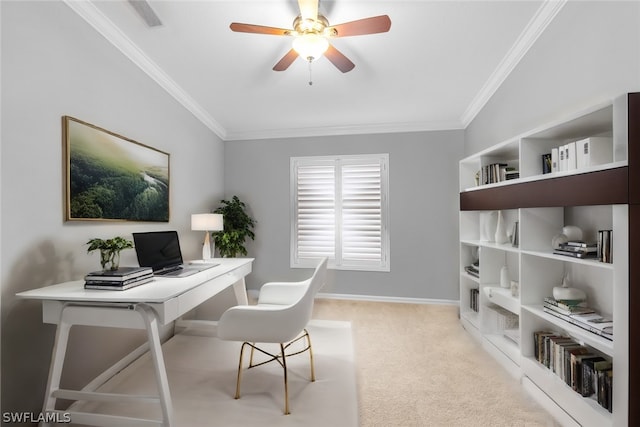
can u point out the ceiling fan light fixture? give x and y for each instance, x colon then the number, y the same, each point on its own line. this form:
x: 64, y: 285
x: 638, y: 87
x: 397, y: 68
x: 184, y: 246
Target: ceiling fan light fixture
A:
x: 310, y: 46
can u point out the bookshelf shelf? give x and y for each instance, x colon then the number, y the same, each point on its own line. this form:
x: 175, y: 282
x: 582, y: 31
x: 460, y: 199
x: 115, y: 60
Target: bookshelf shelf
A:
x: 583, y: 409
x: 588, y: 262
x: 503, y: 298
x: 585, y: 337
x: 505, y: 345
x: 602, y: 196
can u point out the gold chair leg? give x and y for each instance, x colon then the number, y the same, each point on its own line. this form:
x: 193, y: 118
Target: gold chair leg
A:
x: 313, y: 373
x: 237, y: 396
x: 251, y: 355
x: 282, y: 359
x: 286, y: 382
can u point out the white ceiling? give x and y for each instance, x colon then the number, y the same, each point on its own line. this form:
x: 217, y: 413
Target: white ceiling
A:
x: 436, y: 67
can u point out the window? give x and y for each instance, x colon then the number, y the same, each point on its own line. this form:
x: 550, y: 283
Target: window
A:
x: 340, y: 209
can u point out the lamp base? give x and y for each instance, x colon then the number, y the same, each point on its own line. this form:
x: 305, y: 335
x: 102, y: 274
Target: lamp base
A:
x: 206, y: 247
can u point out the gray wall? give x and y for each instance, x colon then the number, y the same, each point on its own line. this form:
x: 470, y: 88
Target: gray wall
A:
x: 423, y: 181
x: 590, y: 53
x: 54, y: 64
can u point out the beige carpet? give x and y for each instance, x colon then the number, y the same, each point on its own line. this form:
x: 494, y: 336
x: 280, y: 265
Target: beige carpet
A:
x: 417, y: 366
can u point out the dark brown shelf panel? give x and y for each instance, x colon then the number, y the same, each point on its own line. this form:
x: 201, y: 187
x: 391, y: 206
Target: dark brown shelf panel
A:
x: 605, y: 187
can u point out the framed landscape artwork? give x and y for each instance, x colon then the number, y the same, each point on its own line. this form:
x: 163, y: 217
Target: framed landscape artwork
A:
x: 110, y: 177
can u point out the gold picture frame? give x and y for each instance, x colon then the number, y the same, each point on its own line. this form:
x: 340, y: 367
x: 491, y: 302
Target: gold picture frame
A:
x: 112, y: 178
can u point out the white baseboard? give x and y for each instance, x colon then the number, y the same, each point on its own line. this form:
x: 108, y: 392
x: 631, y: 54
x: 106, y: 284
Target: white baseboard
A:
x: 253, y: 293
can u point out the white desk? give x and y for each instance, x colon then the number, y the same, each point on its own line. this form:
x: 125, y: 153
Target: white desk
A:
x: 147, y: 307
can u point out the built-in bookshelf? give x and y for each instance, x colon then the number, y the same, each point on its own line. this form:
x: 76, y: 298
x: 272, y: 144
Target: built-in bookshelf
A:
x: 506, y: 316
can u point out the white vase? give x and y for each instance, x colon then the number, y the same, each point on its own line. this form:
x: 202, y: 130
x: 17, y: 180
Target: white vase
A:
x: 504, y: 278
x: 488, y: 223
x: 501, y: 230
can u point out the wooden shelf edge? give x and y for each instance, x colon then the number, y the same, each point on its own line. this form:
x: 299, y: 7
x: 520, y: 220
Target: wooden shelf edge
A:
x: 605, y: 187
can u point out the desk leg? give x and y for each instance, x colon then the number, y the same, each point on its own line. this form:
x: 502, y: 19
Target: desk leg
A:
x: 57, y: 362
x: 155, y: 347
x: 240, y: 289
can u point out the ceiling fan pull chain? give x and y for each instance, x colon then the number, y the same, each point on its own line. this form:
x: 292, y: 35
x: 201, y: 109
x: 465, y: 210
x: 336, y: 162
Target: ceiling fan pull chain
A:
x: 310, y: 80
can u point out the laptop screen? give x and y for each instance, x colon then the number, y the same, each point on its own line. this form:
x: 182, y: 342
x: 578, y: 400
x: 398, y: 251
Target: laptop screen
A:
x: 157, y: 249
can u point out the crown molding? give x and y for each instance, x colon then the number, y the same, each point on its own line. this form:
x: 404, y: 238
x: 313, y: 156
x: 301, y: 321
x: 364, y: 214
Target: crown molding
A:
x: 342, y: 130
x: 94, y: 17
x: 536, y: 26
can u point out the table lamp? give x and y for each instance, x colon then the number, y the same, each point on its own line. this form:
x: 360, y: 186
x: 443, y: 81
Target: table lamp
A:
x: 207, y: 222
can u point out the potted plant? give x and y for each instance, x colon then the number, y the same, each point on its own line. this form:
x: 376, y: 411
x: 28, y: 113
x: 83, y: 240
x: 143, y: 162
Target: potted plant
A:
x: 237, y: 227
x: 109, y: 250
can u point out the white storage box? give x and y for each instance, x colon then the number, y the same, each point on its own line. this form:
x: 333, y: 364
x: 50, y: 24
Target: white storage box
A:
x: 594, y: 151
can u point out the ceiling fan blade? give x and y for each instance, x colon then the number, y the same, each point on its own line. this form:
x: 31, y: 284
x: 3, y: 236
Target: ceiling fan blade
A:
x: 373, y: 25
x: 308, y: 9
x: 286, y: 60
x: 258, y: 29
x: 336, y: 57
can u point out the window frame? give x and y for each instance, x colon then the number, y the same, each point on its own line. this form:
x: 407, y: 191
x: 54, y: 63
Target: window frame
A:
x: 338, y: 161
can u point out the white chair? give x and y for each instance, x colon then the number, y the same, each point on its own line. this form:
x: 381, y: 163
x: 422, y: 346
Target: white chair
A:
x: 280, y: 316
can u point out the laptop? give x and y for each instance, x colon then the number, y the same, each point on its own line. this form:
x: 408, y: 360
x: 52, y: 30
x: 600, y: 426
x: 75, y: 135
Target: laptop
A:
x: 160, y: 250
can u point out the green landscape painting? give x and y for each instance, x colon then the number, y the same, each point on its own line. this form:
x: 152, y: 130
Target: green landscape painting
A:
x: 110, y: 177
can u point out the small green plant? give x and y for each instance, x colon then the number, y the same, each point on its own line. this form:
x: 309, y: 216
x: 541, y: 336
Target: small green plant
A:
x: 109, y: 250
x: 237, y: 228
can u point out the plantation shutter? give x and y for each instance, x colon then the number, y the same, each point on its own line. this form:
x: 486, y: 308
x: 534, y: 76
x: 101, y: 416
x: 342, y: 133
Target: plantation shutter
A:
x: 315, y: 213
x: 339, y: 210
x: 362, y: 213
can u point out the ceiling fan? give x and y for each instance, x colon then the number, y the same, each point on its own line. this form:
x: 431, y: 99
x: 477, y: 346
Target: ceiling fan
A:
x: 312, y: 31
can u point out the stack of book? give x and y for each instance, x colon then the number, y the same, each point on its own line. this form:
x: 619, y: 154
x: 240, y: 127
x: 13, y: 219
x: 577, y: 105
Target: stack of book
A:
x: 578, y: 249
x: 581, y: 316
x: 579, y: 366
x: 120, y: 279
x: 473, y: 269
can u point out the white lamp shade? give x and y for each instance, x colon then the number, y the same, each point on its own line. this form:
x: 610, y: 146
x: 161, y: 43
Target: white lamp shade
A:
x: 207, y: 222
x: 310, y: 46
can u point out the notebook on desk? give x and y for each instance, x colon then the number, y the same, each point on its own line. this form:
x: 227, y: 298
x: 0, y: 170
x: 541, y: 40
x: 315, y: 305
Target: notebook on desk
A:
x: 160, y: 250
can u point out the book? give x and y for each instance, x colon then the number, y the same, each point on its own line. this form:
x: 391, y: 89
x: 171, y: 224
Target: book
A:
x: 571, y: 156
x: 122, y: 273
x: 554, y: 349
x: 472, y: 270
x: 593, y: 151
x: 571, y: 310
x: 577, y: 307
x: 99, y: 281
x: 569, y: 355
x: 580, y: 244
x: 118, y: 287
x: 546, y: 163
x: 574, y: 254
x: 554, y: 160
x: 576, y: 369
x: 587, y: 374
x: 538, y: 343
x: 604, y: 333
x: 580, y: 249
x: 595, y: 321
x: 511, y: 173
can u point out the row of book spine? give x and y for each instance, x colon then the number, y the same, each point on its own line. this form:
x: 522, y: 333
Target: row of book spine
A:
x: 474, y: 299
x: 120, y: 279
x: 583, y: 317
x: 580, y: 367
x: 497, y: 172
